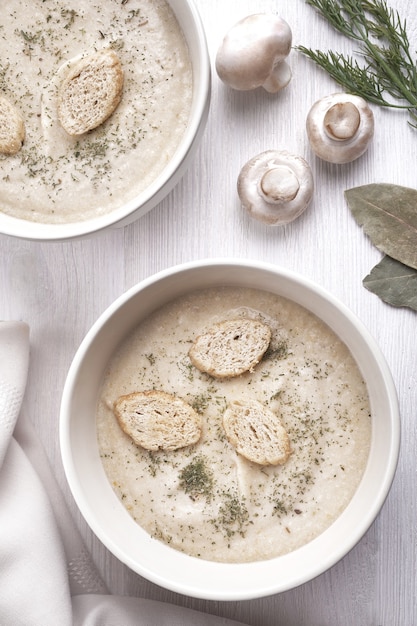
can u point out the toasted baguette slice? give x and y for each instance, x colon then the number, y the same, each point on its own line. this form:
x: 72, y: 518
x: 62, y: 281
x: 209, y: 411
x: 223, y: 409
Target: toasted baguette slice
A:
x: 157, y: 420
x: 12, y: 128
x: 90, y: 92
x: 231, y: 347
x: 256, y: 433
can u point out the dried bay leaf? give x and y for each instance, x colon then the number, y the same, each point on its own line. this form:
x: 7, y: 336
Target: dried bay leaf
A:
x: 388, y: 215
x: 394, y: 282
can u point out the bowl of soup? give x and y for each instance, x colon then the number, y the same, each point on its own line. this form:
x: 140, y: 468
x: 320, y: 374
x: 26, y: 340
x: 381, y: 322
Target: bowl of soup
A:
x: 65, y: 184
x: 206, y: 519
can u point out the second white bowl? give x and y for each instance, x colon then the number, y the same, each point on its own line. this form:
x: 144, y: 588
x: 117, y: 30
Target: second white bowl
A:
x: 106, y: 515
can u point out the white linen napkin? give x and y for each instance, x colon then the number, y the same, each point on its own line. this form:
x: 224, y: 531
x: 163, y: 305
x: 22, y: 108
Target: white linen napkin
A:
x: 47, y: 577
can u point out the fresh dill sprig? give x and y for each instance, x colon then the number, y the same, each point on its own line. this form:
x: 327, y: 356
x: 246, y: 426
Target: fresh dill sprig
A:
x: 388, y: 76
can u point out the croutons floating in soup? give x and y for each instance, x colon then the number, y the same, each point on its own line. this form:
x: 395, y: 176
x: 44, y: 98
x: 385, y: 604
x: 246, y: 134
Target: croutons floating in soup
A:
x: 283, y: 445
x: 59, y: 177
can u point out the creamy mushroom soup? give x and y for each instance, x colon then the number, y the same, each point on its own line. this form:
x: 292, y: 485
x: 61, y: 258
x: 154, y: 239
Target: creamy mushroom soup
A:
x: 57, y: 178
x: 207, y: 500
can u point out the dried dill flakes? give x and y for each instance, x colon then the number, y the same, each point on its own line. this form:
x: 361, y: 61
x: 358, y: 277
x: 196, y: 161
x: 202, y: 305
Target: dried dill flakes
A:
x: 196, y: 479
x: 233, y: 516
x: 151, y: 358
x: 91, y: 150
x: 200, y: 402
x: 154, y: 463
x: 286, y: 503
x: 279, y: 508
x: 68, y: 15
x: 186, y: 368
x: 278, y: 352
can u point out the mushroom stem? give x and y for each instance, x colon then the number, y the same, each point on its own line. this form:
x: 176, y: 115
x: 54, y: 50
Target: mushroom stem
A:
x: 342, y: 121
x: 279, y: 77
x: 275, y: 186
x: 279, y: 184
x: 340, y: 127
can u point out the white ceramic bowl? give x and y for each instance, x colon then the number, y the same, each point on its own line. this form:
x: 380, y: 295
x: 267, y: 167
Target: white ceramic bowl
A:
x: 106, y: 515
x: 190, y: 22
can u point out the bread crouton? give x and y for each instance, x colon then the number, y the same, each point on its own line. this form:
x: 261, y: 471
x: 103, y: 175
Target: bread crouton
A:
x: 231, y: 347
x: 12, y: 128
x: 256, y: 433
x: 157, y: 420
x: 90, y: 92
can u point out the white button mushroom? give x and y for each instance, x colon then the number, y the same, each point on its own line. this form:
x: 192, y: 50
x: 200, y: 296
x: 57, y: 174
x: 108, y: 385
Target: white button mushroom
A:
x: 340, y: 127
x: 275, y: 187
x: 253, y: 54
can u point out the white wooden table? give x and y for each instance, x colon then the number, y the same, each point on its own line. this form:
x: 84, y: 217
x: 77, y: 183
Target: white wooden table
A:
x: 60, y: 289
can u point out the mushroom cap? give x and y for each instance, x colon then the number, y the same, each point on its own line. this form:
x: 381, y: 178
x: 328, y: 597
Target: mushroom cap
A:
x: 340, y: 127
x: 253, y: 50
x: 275, y: 186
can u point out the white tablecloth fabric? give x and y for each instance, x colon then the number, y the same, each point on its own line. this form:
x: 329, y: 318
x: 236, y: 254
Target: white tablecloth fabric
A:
x: 47, y: 577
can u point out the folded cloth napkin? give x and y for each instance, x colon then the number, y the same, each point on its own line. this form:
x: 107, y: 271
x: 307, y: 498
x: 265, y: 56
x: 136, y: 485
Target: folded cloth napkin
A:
x: 47, y: 577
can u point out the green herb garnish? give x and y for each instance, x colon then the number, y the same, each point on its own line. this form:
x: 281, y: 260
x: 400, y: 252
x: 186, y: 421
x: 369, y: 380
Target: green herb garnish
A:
x: 196, y: 479
x: 388, y: 76
x: 233, y: 516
